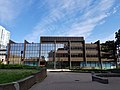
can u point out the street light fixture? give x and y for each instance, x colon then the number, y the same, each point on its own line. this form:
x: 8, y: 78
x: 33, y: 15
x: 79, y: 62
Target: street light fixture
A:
x: 13, y: 59
x: 21, y: 56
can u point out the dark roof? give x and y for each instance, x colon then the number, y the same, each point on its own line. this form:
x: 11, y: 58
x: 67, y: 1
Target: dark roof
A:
x: 59, y: 39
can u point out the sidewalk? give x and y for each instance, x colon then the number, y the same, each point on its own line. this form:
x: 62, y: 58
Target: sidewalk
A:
x: 57, y: 70
x: 74, y: 81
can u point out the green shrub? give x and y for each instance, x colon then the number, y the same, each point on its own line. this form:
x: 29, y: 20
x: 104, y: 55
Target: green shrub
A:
x: 1, y: 66
x: 91, y: 70
x: 17, y: 66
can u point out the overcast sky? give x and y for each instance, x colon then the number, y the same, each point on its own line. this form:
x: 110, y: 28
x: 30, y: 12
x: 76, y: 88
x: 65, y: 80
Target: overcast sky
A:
x: 30, y: 19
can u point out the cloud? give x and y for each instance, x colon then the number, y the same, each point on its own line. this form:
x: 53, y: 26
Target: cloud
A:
x: 110, y: 37
x: 86, y: 26
x: 115, y: 9
x: 72, y: 18
x: 10, y: 9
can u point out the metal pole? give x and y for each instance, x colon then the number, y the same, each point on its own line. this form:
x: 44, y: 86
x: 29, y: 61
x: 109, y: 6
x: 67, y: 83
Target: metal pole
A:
x: 13, y: 59
x: 21, y: 57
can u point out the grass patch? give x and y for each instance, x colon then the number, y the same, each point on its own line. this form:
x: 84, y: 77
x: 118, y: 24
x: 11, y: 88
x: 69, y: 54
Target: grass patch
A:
x: 17, y: 66
x: 12, y: 75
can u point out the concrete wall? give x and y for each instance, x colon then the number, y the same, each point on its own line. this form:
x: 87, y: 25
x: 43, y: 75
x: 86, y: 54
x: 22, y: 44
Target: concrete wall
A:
x: 9, y: 86
x: 25, y: 83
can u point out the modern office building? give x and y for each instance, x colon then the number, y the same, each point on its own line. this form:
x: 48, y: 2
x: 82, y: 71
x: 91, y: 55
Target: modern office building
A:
x: 70, y: 52
x: 59, y: 52
x: 4, y: 39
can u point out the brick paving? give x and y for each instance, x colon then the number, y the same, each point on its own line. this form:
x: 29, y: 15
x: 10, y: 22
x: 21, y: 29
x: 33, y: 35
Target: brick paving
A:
x: 74, y: 81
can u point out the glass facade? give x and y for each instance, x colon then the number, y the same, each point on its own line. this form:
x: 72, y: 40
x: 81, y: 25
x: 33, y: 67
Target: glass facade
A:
x: 32, y: 54
x: 51, y: 53
x: 15, y: 53
x: 27, y: 53
x: 58, y: 52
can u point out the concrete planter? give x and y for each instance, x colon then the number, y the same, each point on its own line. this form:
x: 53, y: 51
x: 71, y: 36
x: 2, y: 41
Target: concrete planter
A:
x: 25, y: 83
x: 8, y: 86
x: 115, y: 70
x: 101, y: 77
x: 40, y: 75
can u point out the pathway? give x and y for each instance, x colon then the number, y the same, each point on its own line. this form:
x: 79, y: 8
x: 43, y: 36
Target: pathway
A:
x: 74, y: 81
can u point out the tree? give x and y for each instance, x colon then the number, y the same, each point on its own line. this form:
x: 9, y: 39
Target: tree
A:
x: 109, y: 47
x: 117, y: 36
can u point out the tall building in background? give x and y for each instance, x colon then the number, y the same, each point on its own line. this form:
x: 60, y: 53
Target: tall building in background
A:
x: 4, y: 40
x: 4, y: 37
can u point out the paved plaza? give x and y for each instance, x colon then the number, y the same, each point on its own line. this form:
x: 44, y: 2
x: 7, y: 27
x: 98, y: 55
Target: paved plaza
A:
x: 74, y: 81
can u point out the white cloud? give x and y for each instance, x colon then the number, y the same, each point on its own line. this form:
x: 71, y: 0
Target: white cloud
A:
x: 115, y: 9
x: 102, y: 22
x: 110, y: 37
x: 72, y: 17
x: 10, y: 9
x: 85, y: 26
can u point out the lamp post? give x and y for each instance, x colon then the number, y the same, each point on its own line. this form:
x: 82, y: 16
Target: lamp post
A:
x: 61, y: 64
x: 13, y: 59
x: 21, y: 57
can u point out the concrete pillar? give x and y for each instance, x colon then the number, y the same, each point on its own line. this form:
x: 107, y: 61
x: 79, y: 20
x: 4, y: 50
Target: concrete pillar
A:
x: 54, y: 54
x: 8, y: 55
x: 84, y: 53
x: 39, y: 54
x: 9, y: 48
x: 25, y: 42
x: 99, y: 53
x: 69, y: 54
